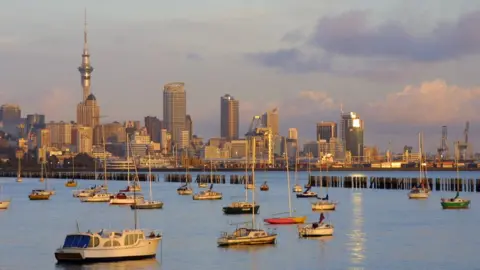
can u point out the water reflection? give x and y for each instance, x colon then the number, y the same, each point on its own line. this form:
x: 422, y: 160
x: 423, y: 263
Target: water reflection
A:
x: 247, y: 249
x: 126, y: 265
x: 356, y: 243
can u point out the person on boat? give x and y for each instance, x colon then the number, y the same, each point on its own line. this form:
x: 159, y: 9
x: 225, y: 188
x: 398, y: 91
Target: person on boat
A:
x: 322, y: 217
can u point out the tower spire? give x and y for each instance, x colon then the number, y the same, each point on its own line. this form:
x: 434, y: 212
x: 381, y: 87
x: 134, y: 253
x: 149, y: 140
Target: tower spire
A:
x: 85, y: 68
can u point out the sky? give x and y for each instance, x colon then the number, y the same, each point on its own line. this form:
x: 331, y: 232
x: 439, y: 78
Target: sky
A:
x: 404, y: 66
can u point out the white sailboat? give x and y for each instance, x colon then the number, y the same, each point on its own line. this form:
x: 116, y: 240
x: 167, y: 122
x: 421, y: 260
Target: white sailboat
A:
x: 128, y: 244
x: 423, y: 191
x: 316, y: 229
x: 208, y: 194
x: 323, y: 204
x: 244, y: 235
x: 4, y: 203
x: 72, y: 182
x: 185, y: 189
x: 150, y: 204
x: 135, y: 186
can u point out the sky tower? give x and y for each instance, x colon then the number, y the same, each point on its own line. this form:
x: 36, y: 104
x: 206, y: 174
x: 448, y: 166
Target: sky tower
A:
x: 85, y: 68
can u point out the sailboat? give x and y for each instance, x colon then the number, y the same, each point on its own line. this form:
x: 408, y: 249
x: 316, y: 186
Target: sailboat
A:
x: 19, y: 172
x: 112, y: 246
x: 316, y: 229
x: 290, y: 219
x: 41, y: 194
x: 455, y: 202
x: 264, y: 186
x: 208, y: 194
x: 98, y: 194
x: 72, y: 182
x: 202, y: 184
x: 105, y: 185
x: 150, y: 204
x: 296, y: 188
x: 185, y: 189
x: 135, y: 186
x: 244, y: 235
x: 422, y: 192
x: 4, y: 203
x: 323, y: 204
x: 245, y: 207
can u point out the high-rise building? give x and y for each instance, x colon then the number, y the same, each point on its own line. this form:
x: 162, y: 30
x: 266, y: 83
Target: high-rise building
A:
x: 293, y: 133
x: 88, y: 111
x: 84, y: 140
x: 270, y: 119
x: 112, y: 132
x: 352, y: 134
x: 229, y: 117
x: 174, y: 109
x: 43, y: 138
x: 10, y: 113
x: 154, y: 127
x: 34, y: 122
x: 326, y: 131
x: 189, y: 126
x: 60, y: 134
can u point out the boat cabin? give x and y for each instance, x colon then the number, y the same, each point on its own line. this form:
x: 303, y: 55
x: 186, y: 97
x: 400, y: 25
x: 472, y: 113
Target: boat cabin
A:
x: 245, y: 232
x: 104, y: 239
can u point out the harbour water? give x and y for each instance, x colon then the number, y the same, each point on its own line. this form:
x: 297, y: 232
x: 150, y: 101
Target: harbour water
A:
x: 374, y: 229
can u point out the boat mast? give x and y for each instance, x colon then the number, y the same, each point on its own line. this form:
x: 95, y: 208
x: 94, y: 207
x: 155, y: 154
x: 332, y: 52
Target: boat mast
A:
x: 150, y: 176
x: 246, y: 172
x: 296, y: 164
x: 253, y: 182
x: 73, y: 167
x: 128, y: 159
x: 104, y: 159
x: 186, y: 169
x: 420, y: 155
x: 288, y: 180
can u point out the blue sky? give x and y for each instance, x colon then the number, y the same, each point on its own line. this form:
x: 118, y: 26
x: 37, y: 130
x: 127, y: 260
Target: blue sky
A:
x: 404, y: 66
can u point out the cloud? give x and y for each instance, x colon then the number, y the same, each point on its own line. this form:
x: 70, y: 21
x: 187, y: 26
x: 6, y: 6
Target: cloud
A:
x: 430, y: 103
x: 351, y: 36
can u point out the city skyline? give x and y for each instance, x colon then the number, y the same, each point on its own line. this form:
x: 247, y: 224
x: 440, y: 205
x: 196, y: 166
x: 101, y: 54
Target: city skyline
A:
x: 415, y: 90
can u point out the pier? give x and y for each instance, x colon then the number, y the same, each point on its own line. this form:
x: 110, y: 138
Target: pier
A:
x: 80, y: 176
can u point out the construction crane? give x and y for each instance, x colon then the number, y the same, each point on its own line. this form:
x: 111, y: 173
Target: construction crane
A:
x: 255, y: 130
x: 442, y: 151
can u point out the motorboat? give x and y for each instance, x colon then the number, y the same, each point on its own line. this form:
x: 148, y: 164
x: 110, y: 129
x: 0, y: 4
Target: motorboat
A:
x: 122, y: 198
x: 323, y: 204
x: 316, y: 229
x: 264, y: 187
x: 97, y: 197
x: 247, y: 236
x: 108, y: 246
x: 208, y: 194
x: 184, y: 190
x: 71, y: 183
x: 297, y: 188
x: 455, y: 202
x: 39, y: 195
x: 307, y: 193
x: 238, y: 208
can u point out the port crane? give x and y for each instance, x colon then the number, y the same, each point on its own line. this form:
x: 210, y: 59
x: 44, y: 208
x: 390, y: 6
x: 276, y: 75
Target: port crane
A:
x: 442, y: 151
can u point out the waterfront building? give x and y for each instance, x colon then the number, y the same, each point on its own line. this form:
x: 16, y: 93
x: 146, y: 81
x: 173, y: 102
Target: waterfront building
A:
x: 229, y: 117
x: 174, y: 109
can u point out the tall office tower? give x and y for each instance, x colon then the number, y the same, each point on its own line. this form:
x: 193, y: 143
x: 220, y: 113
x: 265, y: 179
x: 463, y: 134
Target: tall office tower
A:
x: 293, y: 134
x: 10, y: 113
x: 88, y: 111
x: 174, y: 109
x: 34, y: 122
x: 352, y: 133
x: 60, y: 134
x: 229, y: 117
x: 270, y: 119
x: 43, y: 138
x: 189, y: 127
x: 84, y: 140
x: 154, y: 127
x: 326, y: 131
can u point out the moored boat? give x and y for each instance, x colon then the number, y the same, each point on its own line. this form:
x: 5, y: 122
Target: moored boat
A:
x: 150, y: 204
x: 184, y: 190
x: 323, y: 204
x: 122, y: 198
x: 247, y: 236
x: 423, y: 192
x: 264, y: 187
x: 307, y: 194
x: 97, y: 197
x: 316, y: 229
x: 131, y: 188
x: 297, y: 188
x: 455, y: 202
x: 202, y: 185
x: 71, y: 183
x: 4, y: 203
x: 208, y: 194
x: 286, y: 220
x: 238, y: 208
x: 106, y: 246
x: 419, y: 193
x: 39, y: 195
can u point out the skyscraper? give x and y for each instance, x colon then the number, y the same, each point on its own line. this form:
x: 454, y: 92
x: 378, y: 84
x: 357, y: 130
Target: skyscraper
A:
x: 293, y: 133
x: 174, y: 109
x: 352, y: 134
x: 189, y: 126
x: 270, y: 119
x: 326, y: 131
x: 229, y: 117
x: 154, y: 127
x: 88, y: 111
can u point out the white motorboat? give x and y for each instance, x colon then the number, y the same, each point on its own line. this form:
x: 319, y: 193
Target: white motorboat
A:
x: 107, y: 246
x: 122, y: 198
x: 316, y: 229
x: 297, y: 188
x: 322, y: 205
x: 97, y: 197
x: 208, y: 195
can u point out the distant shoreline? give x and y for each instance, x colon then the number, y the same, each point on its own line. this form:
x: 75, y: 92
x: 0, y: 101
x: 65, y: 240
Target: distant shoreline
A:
x: 182, y: 170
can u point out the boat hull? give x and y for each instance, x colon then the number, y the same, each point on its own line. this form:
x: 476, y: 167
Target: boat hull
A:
x: 158, y: 205
x: 39, y: 197
x: 229, y: 210
x: 317, y: 232
x: 71, y: 184
x: 264, y: 188
x: 309, y: 195
x: 323, y: 206
x: 4, y: 204
x: 418, y: 196
x: 184, y: 191
x: 286, y: 220
x: 204, y: 198
x: 143, y: 250
x: 270, y: 239
x: 455, y: 205
x: 125, y: 201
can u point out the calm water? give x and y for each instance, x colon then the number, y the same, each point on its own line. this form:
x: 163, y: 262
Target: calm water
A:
x: 374, y: 229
